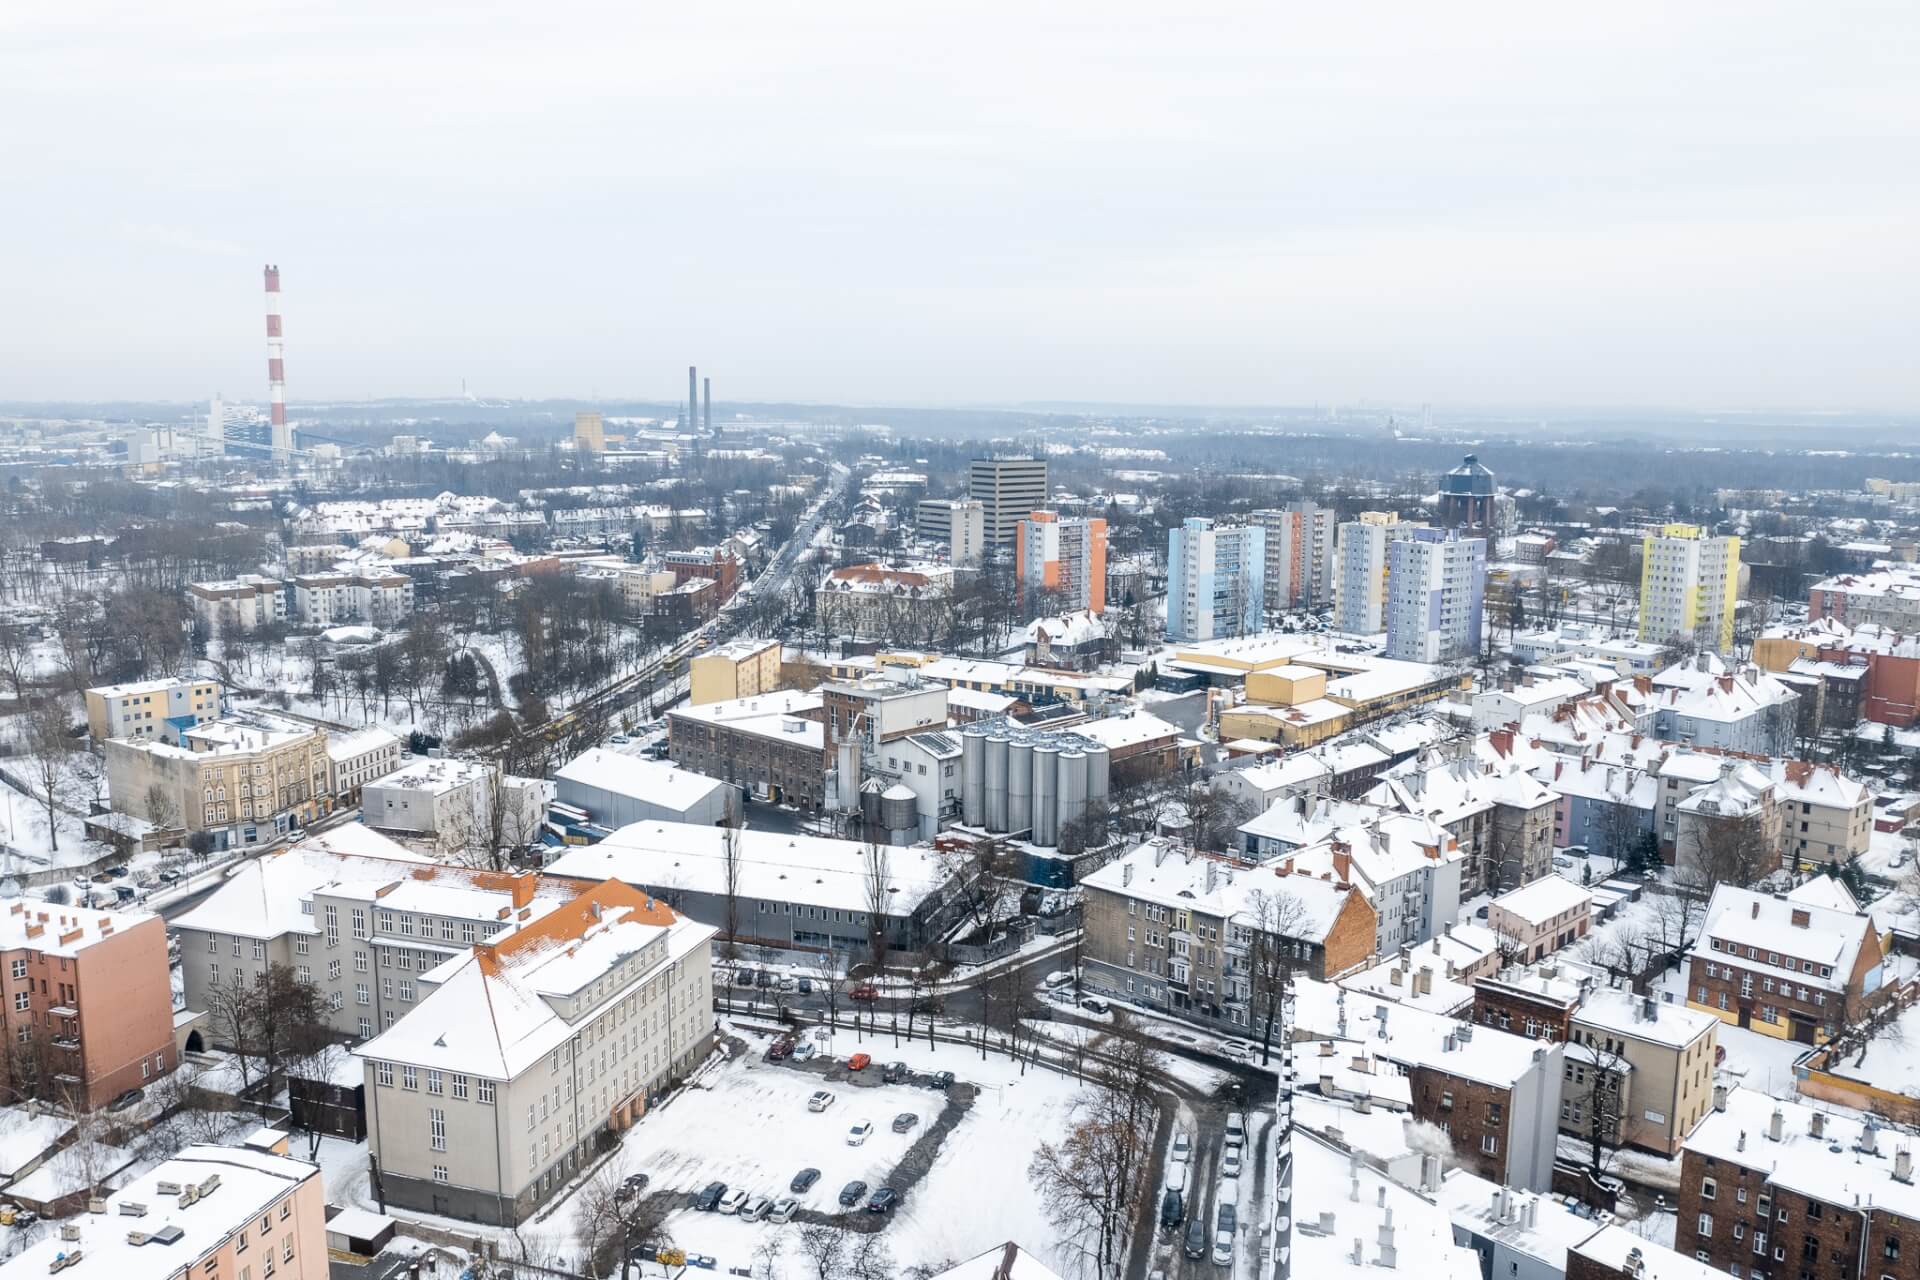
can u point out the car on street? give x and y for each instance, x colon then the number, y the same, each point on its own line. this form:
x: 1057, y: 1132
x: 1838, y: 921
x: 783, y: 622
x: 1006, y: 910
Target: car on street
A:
x: 765, y: 978
x: 859, y: 1062
x: 783, y: 1209
x: 732, y: 1202
x: 820, y: 1100
x: 1173, y: 1207
x: 1199, y: 1242
x: 803, y: 1181
x: 1182, y: 1146
x: 1177, y: 1176
x: 117, y: 872
x: 883, y: 1200
x: 866, y: 991
x: 756, y: 1208
x: 1227, y: 1218
x: 806, y: 986
x: 127, y: 1099
x: 1223, y: 1248
x: 169, y: 876
x: 905, y: 1121
x: 804, y: 1051
x: 1230, y: 1162
x: 1236, y: 1129
x: 1238, y: 1050
x: 895, y: 1072
x: 852, y: 1194
x: 860, y: 1132
x: 709, y: 1196
x: 940, y: 1080
x: 780, y: 1050
x: 742, y: 978
x: 630, y: 1186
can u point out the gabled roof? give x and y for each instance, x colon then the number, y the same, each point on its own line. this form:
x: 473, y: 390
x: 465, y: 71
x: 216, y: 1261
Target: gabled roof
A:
x: 1749, y: 927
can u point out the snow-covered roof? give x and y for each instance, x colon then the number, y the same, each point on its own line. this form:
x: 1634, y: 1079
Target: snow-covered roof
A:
x: 26, y: 1136
x: 33, y: 925
x: 812, y: 871
x: 502, y: 1008
x: 249, y: 1181
x: 434, y: 777
x: 1822, y: 785
x: 1420, y: 1232
x: 1840, y: 1167
x: 137, y: 687
x: 1613, y: 1246
x: 1116, y: 733
x: 1817, y: 945
x: 653, y: 780
x: 1162, y: 874
x: 1825, y: 891
x: 1305, y: 819
x: 1415, y: 1037
x: 1002, y: 1262
x: 1540, y: 1226
x: 357, y: 742
x: 1624, y: 1013
x: 1082, y: 626
x: 1544, y: 899
x: 1297, y: 770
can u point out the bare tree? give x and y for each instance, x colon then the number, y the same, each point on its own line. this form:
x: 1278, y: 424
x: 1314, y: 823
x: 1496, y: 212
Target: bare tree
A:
x: 730, y: 869
x: 1214, y: 817
x: 1596, y: 1072
x: 1275, y: 921
x: 49, y: 740
x: 1729, y: 849
x: 824, y: 1246
x: 877, y: 866
x: 163, y: 807
x: 830, y: 975
x: 614, y: 1218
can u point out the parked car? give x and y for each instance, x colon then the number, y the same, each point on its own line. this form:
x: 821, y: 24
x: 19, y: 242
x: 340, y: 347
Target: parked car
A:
x: 1182, y: 1146
x: 895, y: 1073
x: 127, y: 1099
x: 905, y: 1121
x: 1238, y: 1050
x: 1172, y: 1209
x: 1236, y: 1129
x: 780, y: 1050
x: 940, y: 1080
x: 1176, y: 1179
x: 1227, y: 1217
x: 1094, y: 1004
x: 859, y: 1062
x: 806, y: 986
x: 1223, y: 1248
x: 704, y: 1261
x: 630, y: 1186
x: 742, y: 978
x: 865, y: 991
x: 1230, y: 1162
x: 804, y: 1051
x: 783, y: 1209
x: 708, y: 1199
x: 860, y: 1132
x: 803, y: 1181
x: 756, y: 1208
x: 169, y: 876
x: 116, y: 872
x: 1199, y: 1243
x: 883, y: 1200
x: 787, y: 983
x: 731, y: 1202
x: 820, y: 1100
x: 765, y: 978
x: 852, y: 1194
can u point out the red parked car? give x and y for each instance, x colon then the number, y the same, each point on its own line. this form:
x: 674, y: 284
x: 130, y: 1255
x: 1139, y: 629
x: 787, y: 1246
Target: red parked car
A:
x: 865, y: 991
x: 859, y: 1061
x: 780, y: 1049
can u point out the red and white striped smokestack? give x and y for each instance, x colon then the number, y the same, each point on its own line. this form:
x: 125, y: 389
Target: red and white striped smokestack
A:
x: 277, y: 369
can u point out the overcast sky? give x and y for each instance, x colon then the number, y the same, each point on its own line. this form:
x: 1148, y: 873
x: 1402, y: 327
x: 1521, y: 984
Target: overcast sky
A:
x: 1694, y: 204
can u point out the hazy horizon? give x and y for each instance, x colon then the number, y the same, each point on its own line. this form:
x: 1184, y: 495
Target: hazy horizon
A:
x: 1492, y: 207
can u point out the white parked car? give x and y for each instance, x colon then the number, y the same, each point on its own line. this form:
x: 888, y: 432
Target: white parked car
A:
x: 1177, y: 1177
x: 1182, y: 1147
x: 1230, y: 1162
x: 1238, y: 1050
x: 859, y: 1133
x: 731, y: 1202
x: 783, y: 1209
x: 820, y: 1101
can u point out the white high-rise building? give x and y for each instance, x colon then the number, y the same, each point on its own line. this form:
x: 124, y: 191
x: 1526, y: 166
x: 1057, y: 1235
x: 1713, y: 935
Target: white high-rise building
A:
x: 1299, y: 564
x: 1216, y: 579
x: 1436, y: 593
x: 1360, y: 571
x: 961, y: 523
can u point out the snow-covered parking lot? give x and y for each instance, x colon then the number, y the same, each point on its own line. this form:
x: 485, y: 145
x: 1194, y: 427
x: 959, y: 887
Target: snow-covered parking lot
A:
x: 749, y: 1127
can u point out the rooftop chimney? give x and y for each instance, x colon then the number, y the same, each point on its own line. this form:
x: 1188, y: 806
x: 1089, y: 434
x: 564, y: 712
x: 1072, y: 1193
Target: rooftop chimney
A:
x: 1776, y: 1125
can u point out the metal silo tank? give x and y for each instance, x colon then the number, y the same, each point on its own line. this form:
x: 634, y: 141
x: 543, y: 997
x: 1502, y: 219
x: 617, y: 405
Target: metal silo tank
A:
x: 1019, y: 784
x: 1073, y: 786
x: 1046, y: 817
x: 870, y: 802
x: 973, y: 777
x: 899, y: 808
x: 997, y: 782
x: 1099, y: 766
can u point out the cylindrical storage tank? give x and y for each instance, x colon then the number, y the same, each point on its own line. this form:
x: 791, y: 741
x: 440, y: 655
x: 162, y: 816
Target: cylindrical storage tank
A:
x: 997, y: 783
x: 899, y: 808
x: 1019, y: 785
x: 1046, y: 826
x: 973, y: 777
x: 870, y: 801
x: 1099, y: 764
x: 1073, y: 787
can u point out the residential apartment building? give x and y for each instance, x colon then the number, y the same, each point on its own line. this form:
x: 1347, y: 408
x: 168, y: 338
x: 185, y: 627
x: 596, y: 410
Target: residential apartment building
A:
x: 737, y: 669
x: 241, y: 779
x: 334, y: 599
x: 1408, y: 867
x: 1539, y: 918
x: 239, y: 604
x: 1887, y: 597
x: 1176, y: 931
x: 1498, y: 813
x: 88, y: 1004
x: 433, y: 797
x: 1689, y: 582
x: 1644, y: 1068
x: 874, y: 602
x: 357, y: 758
x: 1007, y: 489
x: 1216, y: 580
x: 1870, y: 672
x: 150, y: 709
x: 961, y: 523
x: 1735, y: 823
x: 1436, y: 595
x: 1827, y: 817
x: 1742, y: 710
x: 1360, y: 571
x: 589, y: 432
x: 529, y: 1051
x: 359, y: 916
x: 641, y: 586
x: 1772, y: 1190
x: 773, y: 744
x: 205, y: 1213
x: 1784, y: 967
x: 1064, y: 557
x: 1299, y: 555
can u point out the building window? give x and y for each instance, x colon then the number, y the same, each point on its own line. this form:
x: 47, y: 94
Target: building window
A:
x: 366, y: 1028
x: 434, y: 1084
x: 1705, y: 1226
x: 1708, y: 1188
x: 486, y: 1092
x: 1490, y: 1144
x: 383, y: 1074
x: 437, y: 1128
x: 409, y: 1077
x: 439, y: 1173
x: 361, y: 995
x: 459, y: 1086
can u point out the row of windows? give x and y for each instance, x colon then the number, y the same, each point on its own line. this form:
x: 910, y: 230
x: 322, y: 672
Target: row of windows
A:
x: 438, y: 1083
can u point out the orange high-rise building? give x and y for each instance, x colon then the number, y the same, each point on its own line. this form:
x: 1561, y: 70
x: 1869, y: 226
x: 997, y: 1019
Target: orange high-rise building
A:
x: 1067, y: 556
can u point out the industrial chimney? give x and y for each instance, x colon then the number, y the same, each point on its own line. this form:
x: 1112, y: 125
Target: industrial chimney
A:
x: 706, y: 405
x: 693, y: 398
x: 277, y: 371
